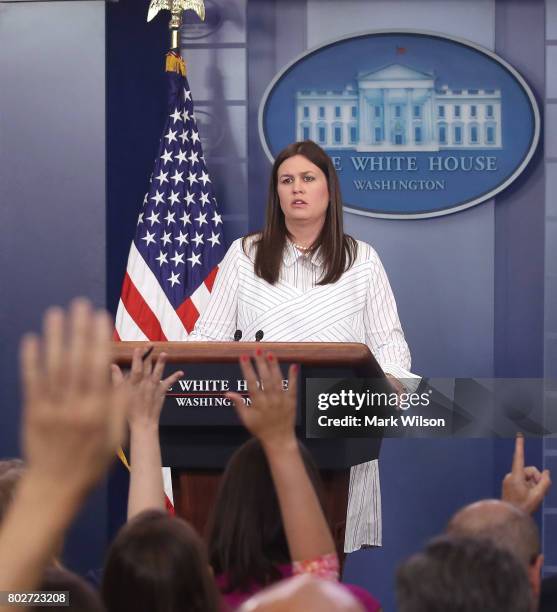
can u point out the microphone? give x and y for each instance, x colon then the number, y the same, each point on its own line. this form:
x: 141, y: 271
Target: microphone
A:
x: 259, y: 336
x: 237, y: 335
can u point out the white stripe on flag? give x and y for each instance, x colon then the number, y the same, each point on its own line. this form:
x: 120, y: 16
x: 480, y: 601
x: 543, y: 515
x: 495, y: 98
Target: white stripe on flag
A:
x: 147, y: 284
x: 167, y: 481
x: 126, y: 327
x: 200, y: 297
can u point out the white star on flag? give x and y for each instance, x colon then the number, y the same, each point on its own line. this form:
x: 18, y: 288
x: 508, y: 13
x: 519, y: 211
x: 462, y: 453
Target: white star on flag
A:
x: 182, y: 238
x: 195, y: 259
x: 166, y: 156
x: 201, y: 219
x: 174, y: 278
x: 161, y: 258
x: 178, y: 258
x: 176, y: 115
x: 154, y: 218
x: 162, y: 177
x: 173, y: 198
x: 198, y: 239
x: 171, y: 135
x: 149, y: 238
x: 158, y: 197
x: 204, y: 178
x: 214, y: 239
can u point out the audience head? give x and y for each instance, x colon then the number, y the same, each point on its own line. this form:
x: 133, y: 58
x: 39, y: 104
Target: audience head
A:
x: 246, y: 535
x: 11, y: 471
x: 508, y: 527
x: 303, y: 594
x: 82, y: 597
x: 158, y: 563
x: 462, y: 575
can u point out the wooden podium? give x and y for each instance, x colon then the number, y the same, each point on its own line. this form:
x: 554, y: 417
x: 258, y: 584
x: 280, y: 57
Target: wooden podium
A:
x: 197, y: 440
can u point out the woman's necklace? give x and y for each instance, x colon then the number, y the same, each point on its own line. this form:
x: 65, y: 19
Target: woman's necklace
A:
x: 300, y: 247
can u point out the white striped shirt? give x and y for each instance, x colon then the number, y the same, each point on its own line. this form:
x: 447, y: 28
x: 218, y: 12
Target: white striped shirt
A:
x: 359, y: 307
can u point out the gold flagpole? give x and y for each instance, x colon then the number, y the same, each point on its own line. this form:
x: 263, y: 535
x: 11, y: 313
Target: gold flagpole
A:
x: 176, y: 8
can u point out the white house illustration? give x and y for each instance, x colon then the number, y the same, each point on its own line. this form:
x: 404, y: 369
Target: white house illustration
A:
x: 398, y: 108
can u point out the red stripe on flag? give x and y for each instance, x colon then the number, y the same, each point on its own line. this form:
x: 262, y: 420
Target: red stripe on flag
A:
x: 169, y: 506
x: 211, y: 278
x: 188, y: 314
x: 115, y: 335
x: 140, y: 312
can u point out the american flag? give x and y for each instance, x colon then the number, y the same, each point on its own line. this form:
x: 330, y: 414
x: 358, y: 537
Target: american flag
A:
x: 178, y: 242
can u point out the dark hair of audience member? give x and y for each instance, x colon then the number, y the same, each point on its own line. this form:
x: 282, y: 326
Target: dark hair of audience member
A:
x: 11, y: 471
x: 462, y: 575
x: 158, y: 563
x: 245, y: 532
x: 82, y: 597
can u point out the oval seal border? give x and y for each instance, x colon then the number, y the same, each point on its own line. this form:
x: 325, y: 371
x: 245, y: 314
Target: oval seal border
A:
x: 462, y: 41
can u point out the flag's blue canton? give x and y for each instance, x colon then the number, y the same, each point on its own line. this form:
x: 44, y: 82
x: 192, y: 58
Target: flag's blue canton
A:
x: 179, y: 230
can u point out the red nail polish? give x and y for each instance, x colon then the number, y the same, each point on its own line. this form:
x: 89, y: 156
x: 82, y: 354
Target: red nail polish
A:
x: 270, y: 357
x: 244, y: 358
x: 295, y: 368
x: 259, y: 352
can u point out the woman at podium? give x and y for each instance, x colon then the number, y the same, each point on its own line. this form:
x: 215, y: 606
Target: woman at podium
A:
x: 302, y: 279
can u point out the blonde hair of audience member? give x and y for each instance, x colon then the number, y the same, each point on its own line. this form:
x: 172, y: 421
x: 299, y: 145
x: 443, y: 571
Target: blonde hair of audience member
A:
x: 303, y: 594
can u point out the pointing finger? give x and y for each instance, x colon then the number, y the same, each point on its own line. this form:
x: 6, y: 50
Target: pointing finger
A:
x: 518, y: 457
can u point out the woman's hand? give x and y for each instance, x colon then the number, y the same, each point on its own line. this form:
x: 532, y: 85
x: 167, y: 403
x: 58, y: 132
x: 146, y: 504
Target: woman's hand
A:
x: 146, y: 388
x: 147, y: 392
x: 271, y: 417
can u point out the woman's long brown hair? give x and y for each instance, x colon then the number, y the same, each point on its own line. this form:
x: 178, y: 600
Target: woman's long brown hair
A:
x: 337, y: 249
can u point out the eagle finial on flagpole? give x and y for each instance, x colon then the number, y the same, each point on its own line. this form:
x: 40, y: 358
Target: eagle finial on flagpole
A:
x: 176, y: 7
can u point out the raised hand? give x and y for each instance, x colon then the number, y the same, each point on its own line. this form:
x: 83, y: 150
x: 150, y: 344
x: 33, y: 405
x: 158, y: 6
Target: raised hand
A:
x: 73, y: 418
x: 73, y: 423
x: 271, y: 417
x: 146, y: 388
x: 147, y: 397
x: 525, y: 487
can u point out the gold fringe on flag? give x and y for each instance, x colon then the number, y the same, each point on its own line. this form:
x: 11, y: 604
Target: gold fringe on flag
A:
x: 174, y: 63
x: 123, y: 458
